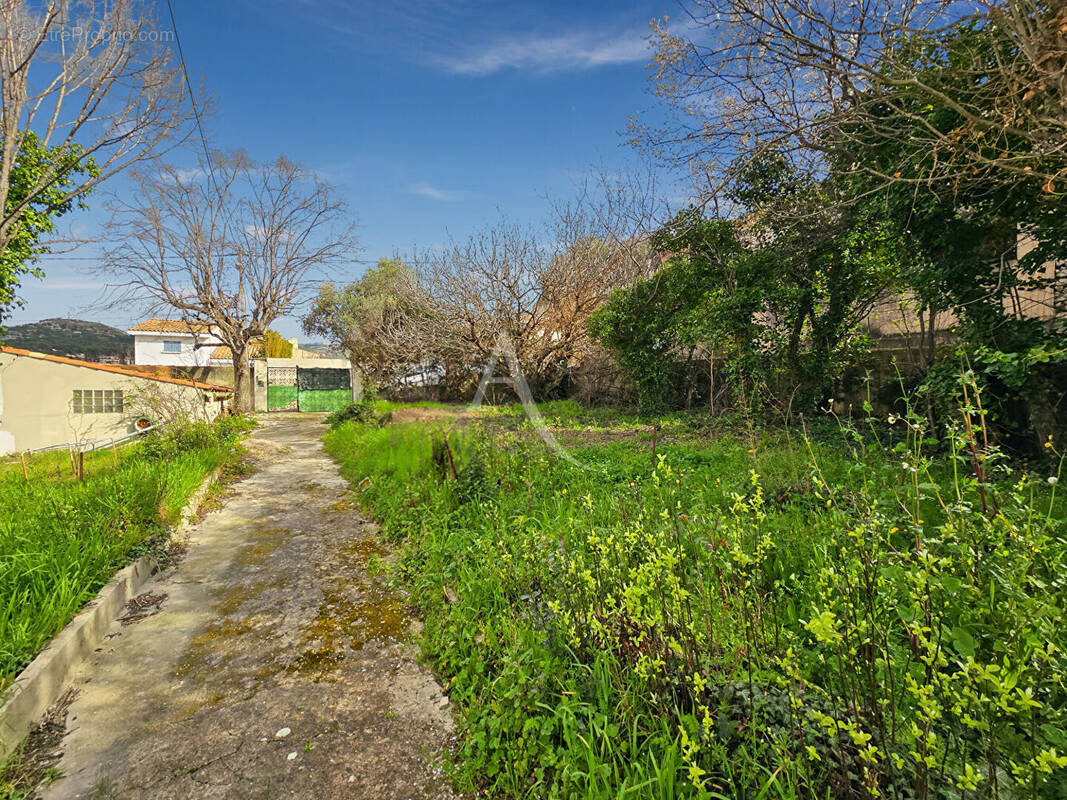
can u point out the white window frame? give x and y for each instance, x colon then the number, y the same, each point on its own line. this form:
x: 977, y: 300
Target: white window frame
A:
x: 172, y: 346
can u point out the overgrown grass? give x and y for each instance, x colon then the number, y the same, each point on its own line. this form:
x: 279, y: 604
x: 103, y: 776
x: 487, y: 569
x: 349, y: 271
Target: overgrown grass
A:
x: 758, y: 617
x: 61, y: 539
x: 385, y: 406
x: 571, y: 415
x: 57, y: 465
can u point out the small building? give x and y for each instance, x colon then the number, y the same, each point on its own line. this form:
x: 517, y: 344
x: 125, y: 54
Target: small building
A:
x: 47, y: 400
x: 304, y: 384
x: 177, y: 343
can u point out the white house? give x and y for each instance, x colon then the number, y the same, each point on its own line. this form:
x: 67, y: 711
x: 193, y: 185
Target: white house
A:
x: 177, y: 343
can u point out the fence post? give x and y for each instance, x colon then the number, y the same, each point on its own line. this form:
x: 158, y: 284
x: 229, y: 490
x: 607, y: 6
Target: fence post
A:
x: 81, y: 466
x: 25, y: 472
x: 451, y: 461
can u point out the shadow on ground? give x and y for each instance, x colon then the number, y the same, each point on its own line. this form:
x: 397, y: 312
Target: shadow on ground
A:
x: 275, y: 666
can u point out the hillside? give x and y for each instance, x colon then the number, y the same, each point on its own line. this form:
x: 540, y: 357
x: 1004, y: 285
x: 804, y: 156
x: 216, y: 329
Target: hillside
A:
x: 323, y: 350
x: 75, y: 338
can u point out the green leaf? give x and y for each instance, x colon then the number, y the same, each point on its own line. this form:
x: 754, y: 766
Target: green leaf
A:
x: 963, y: 642
x: 951, y: 583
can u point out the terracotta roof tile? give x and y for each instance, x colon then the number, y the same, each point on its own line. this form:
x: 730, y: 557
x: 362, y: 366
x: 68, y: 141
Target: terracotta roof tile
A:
x: 119, y: 370
x: 172, y: 326
x: 222, y: 353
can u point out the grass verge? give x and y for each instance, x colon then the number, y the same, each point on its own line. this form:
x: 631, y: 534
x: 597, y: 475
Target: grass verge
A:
x: 62, y: 539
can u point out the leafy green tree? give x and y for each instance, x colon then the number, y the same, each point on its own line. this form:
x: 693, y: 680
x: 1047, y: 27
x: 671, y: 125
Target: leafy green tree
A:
x: 38, y: 217
x: 648, y: 324
x: 965, y: 222
x: 900, y: 145
x: 367, y: 319
x: 824, y: 263
x: 777, y: 296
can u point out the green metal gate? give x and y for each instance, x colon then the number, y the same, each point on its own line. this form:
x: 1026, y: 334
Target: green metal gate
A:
x: 308, y: 388
x: 323, y: 389
x: 281, y: 389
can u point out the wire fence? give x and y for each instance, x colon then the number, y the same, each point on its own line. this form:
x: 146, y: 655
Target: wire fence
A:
x: 77, y: 450
x: 89, y: 445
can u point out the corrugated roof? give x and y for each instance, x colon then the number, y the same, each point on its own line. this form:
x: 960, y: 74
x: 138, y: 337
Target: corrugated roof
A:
x: 119, y: 370
x: 171, y: 326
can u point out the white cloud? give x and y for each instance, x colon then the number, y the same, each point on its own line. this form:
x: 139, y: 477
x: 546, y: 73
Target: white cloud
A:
x: 260, y: 233
x: 433, y: 193
x: 569, y: 51
x: 190, y: 175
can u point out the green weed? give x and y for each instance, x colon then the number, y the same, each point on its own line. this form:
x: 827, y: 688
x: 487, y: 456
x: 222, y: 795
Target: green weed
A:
x: 762, y: 617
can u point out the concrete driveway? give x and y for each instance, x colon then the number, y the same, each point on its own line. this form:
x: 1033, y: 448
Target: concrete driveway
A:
x: 276, y: 665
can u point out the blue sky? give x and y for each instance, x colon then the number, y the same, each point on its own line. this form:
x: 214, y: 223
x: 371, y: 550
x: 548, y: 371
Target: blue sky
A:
x: 430, y: 117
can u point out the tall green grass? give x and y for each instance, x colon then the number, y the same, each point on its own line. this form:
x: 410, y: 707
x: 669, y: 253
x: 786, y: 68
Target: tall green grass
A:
x: 572, y: 415
x: 767, y: 617
x: 59, y: 465
x: 61, y: 539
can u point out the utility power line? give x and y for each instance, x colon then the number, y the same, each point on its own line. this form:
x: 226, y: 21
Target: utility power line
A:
x: 192, y: 98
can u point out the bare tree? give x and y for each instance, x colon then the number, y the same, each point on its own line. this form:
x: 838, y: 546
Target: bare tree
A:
x: 234, y: 245
x: 537, y: 285
x: 480, y: 287
x: 601, y: 238
x: 813, y: 78
x: 441, y: 313
x: 94, y: 83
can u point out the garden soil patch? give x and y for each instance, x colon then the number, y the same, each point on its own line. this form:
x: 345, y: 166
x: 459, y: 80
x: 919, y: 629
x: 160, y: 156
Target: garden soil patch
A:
x: 275, y: 666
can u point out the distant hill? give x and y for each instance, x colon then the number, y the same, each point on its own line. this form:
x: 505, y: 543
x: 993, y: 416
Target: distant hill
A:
x: 74, y: 338
x: 323, y: 350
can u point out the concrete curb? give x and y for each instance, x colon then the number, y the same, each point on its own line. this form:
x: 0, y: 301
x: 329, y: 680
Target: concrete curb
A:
x: 41, y: 683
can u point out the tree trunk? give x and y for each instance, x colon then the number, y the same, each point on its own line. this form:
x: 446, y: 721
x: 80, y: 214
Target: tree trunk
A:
x: 242, y: 381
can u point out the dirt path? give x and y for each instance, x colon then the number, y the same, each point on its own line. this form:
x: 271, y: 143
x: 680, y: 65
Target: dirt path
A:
x: 273, y: 668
